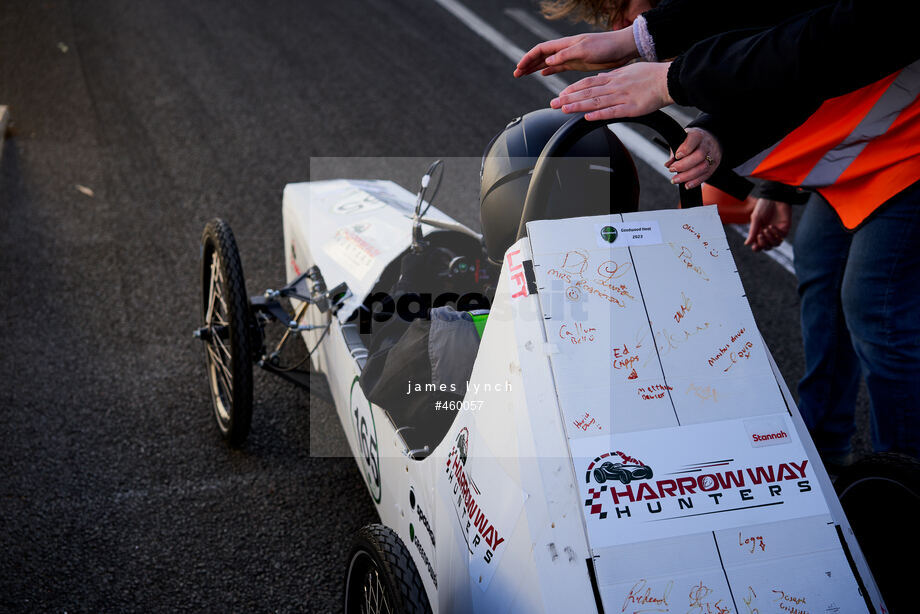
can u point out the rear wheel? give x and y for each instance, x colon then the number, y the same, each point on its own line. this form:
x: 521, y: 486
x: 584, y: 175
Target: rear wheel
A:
x: 226, y: 331
x: 382, y: 577
x: 880, y: 495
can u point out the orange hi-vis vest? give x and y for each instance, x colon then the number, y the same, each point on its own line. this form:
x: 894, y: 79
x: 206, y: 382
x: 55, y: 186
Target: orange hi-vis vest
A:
x: 857, y: 150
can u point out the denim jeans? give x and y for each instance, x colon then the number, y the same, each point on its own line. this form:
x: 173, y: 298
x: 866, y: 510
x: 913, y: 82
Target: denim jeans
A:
x: 860, y: 295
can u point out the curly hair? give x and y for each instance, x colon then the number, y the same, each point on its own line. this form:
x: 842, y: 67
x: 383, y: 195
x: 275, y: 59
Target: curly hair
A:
x: 600, y: 13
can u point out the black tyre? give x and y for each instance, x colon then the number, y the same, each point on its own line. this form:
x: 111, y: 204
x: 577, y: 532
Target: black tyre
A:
x: 599, y: 476
x: 880, y: 495
x: 381, y: 577
x: 226, y: 331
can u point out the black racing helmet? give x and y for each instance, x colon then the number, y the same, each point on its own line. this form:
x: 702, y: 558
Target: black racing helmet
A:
x: 596, y: 177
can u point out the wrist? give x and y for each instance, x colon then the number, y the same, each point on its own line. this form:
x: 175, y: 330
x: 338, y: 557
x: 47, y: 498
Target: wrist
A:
x: 621, y: 45
x: 663, y: 91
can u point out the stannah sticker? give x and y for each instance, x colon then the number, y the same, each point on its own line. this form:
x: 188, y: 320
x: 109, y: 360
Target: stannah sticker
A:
x: 769, y: 431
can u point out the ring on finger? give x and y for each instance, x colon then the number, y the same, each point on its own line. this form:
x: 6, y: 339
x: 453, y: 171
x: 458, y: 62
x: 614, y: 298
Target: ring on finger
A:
x: 709, y: 160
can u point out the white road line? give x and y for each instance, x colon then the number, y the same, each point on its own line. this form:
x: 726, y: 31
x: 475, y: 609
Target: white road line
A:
x: 637, y: 144
x: 536, y: 27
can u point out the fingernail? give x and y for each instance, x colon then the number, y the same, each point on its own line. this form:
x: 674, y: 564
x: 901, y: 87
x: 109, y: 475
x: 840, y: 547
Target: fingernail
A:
x: 674, y: 179
x: 554, y: 102
x: 678, y: 156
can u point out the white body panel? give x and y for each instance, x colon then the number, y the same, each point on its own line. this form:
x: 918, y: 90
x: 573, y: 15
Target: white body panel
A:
x: 496, y: 517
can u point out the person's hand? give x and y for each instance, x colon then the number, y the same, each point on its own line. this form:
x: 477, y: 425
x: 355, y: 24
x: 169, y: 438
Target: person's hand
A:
x: 696, y: 159
x: 770, y: 223
x: 585, y: 52
x: 630, y: 91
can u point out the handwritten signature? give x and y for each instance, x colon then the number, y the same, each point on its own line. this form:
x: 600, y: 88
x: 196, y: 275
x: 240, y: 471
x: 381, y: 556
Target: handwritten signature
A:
x: 577, y: 334
x: 587, y: 422
x: 611, y: 270
x: 754, y: 541
x: 655, y: 391
x: 685, y: 306
x: 641, y: 595
x: 584, y: 285
x: 706, y: 393
x: 624, y: 359
x: 744, y: 352
x: 672, y: 341
x: 700, y: 604
x: 575, y: 262
x: 685, y: 255
x: 712, y: 251
x: 749, y: 599
x: 789, y: 603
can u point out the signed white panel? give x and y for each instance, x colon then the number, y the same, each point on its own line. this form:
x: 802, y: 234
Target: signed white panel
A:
x: 659, y: 320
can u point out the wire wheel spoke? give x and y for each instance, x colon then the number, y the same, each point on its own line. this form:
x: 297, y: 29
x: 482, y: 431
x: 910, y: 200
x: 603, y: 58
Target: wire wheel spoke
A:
x: 221, y: 370
x: 375, y: 601
x: 212, y: 289
x: 220, y: 343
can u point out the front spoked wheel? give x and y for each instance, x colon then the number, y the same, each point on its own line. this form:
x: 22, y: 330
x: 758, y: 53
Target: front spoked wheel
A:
x: 382, y: 577
x: 226, y: 331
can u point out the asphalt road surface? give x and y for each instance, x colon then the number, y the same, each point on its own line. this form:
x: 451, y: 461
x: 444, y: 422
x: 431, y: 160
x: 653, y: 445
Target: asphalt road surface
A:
x: 134, y: 123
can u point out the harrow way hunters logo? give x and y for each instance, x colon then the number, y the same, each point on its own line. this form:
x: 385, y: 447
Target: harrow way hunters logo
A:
x: 487, y: 511
x: 667, y: 482
x: 620, y: 487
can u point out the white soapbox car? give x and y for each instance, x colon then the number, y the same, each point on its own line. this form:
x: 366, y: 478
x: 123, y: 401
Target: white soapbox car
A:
x: 623, y: 441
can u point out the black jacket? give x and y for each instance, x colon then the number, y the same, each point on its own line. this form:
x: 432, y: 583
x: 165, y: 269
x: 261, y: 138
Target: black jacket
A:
x: 759, y: 71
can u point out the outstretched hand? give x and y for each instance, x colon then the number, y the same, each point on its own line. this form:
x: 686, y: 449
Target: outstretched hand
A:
x: 696, y: 159
x: 584, y: 52
x: 770, y: 223
x: 630, y: 91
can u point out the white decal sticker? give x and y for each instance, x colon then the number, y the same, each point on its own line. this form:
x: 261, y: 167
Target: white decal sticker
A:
x: 486, y: 514
x: 355, y: 247
x: 770, y: 431
x: 676, y: 481
x: 625, y: 234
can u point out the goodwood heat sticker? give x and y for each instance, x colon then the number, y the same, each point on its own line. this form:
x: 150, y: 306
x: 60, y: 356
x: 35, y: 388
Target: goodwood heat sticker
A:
x: 689, y: 479
x: 486, y: 507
